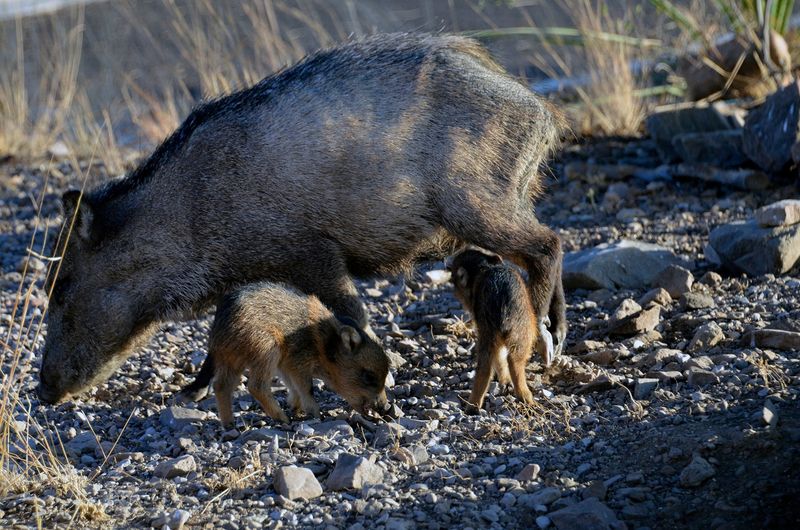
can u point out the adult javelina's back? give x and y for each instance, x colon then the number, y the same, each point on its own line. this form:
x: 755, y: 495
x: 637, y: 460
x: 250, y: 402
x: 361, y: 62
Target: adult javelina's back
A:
x: 357, y: 160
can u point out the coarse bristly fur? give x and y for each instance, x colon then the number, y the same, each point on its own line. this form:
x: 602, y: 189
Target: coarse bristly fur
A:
x: 273, y: 330
x: 496, y: 296
x: 358, y: 160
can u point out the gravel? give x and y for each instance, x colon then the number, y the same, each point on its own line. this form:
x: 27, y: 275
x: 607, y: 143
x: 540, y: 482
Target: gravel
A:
x: 689, y: 419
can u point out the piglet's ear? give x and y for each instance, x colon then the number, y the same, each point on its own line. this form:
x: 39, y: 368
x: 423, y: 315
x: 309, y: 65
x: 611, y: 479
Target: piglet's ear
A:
x: 494, y: 259
x: 462, y: 277
x: 351, y: 338
x: 77, y: 207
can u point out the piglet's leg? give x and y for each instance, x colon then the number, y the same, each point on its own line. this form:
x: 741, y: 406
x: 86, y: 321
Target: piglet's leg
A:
x: 260, y: 388
x: 225, y: 382
x: 301, y: 395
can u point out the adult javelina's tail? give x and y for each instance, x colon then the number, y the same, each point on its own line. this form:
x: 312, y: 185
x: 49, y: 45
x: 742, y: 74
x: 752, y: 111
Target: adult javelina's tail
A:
x: 197, y: 389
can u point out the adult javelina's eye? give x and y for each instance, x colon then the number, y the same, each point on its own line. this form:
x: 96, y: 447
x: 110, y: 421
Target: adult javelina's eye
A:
x: 60, y: 289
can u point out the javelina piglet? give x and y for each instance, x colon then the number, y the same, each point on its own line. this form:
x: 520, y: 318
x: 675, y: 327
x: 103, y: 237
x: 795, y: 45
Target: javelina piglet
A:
x: 496, y: 296
x: 273, y: 330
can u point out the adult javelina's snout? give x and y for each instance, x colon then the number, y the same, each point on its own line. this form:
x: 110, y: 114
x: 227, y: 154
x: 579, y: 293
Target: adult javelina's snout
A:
x: 357, y: 160
x: 93, y: 308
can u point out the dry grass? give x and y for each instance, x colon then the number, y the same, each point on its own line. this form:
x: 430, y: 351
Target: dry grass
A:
x: 610, y: 100
x: 32, y: 455
x: 34, y: 114
x: 67, y: 77
x: 543, y: 417
x: 461, y: 328
x: 772, y: 376
x: 229, y: 480
x: 204, y: 48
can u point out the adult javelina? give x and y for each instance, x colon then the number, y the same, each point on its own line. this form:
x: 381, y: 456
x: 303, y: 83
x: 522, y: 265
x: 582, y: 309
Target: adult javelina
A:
x: 358, y: 160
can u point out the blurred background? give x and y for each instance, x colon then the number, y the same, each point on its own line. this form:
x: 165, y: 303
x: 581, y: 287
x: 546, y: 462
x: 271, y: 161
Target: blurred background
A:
x: 116, y: 77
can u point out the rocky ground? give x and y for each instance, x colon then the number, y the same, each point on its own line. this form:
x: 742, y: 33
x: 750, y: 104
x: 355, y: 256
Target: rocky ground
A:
x: 662, y: 413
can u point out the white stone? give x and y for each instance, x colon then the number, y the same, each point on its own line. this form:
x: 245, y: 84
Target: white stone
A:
x: 781, y: 213
x: 297, y: 483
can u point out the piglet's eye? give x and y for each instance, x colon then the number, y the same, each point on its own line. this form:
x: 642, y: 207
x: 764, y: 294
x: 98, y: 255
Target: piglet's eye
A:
x: 369, y: 379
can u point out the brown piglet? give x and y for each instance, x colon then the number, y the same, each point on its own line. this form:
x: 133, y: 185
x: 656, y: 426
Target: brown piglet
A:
x: 273, y: 330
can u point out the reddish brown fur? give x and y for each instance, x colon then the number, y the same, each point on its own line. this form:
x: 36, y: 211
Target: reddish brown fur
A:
x: 273, y: 330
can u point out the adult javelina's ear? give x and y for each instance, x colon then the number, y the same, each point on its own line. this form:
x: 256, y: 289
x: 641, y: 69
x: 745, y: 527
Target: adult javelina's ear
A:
x: 76, y: 206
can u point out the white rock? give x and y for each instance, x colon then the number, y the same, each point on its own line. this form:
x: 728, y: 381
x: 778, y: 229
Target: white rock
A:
x: 781, y: 213
x: 438, y: 276
x: 644, y: 387
x: 178, y: 519
x: 297, y: 483
x: 769, y: 413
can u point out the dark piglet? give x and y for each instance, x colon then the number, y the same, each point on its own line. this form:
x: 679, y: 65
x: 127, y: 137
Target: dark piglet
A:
x: 496, y: 296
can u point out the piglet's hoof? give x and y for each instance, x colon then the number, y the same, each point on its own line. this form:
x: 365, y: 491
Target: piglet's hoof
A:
x: 472, y: 410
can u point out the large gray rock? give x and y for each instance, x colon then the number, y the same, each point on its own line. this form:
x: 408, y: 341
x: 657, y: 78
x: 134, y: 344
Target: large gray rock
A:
x: 663, y: 126
x: 716, y: 148
x: 334, y: 428
x: 781, y: 213
x: 529, y: 472
x: 265, y: 435
x: 743, y: 178
x: 645, y: 320
x: 296, y: 483
x: 626, y: 264
x: 776, y: 339
x: 676, y: 280
x: 354, y: 472
x: 543, y: 497
x: 590, y: 514
x: 698, y: 377
x: 772, y: 129
x: 706, y: 336
x: 744, y: 246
